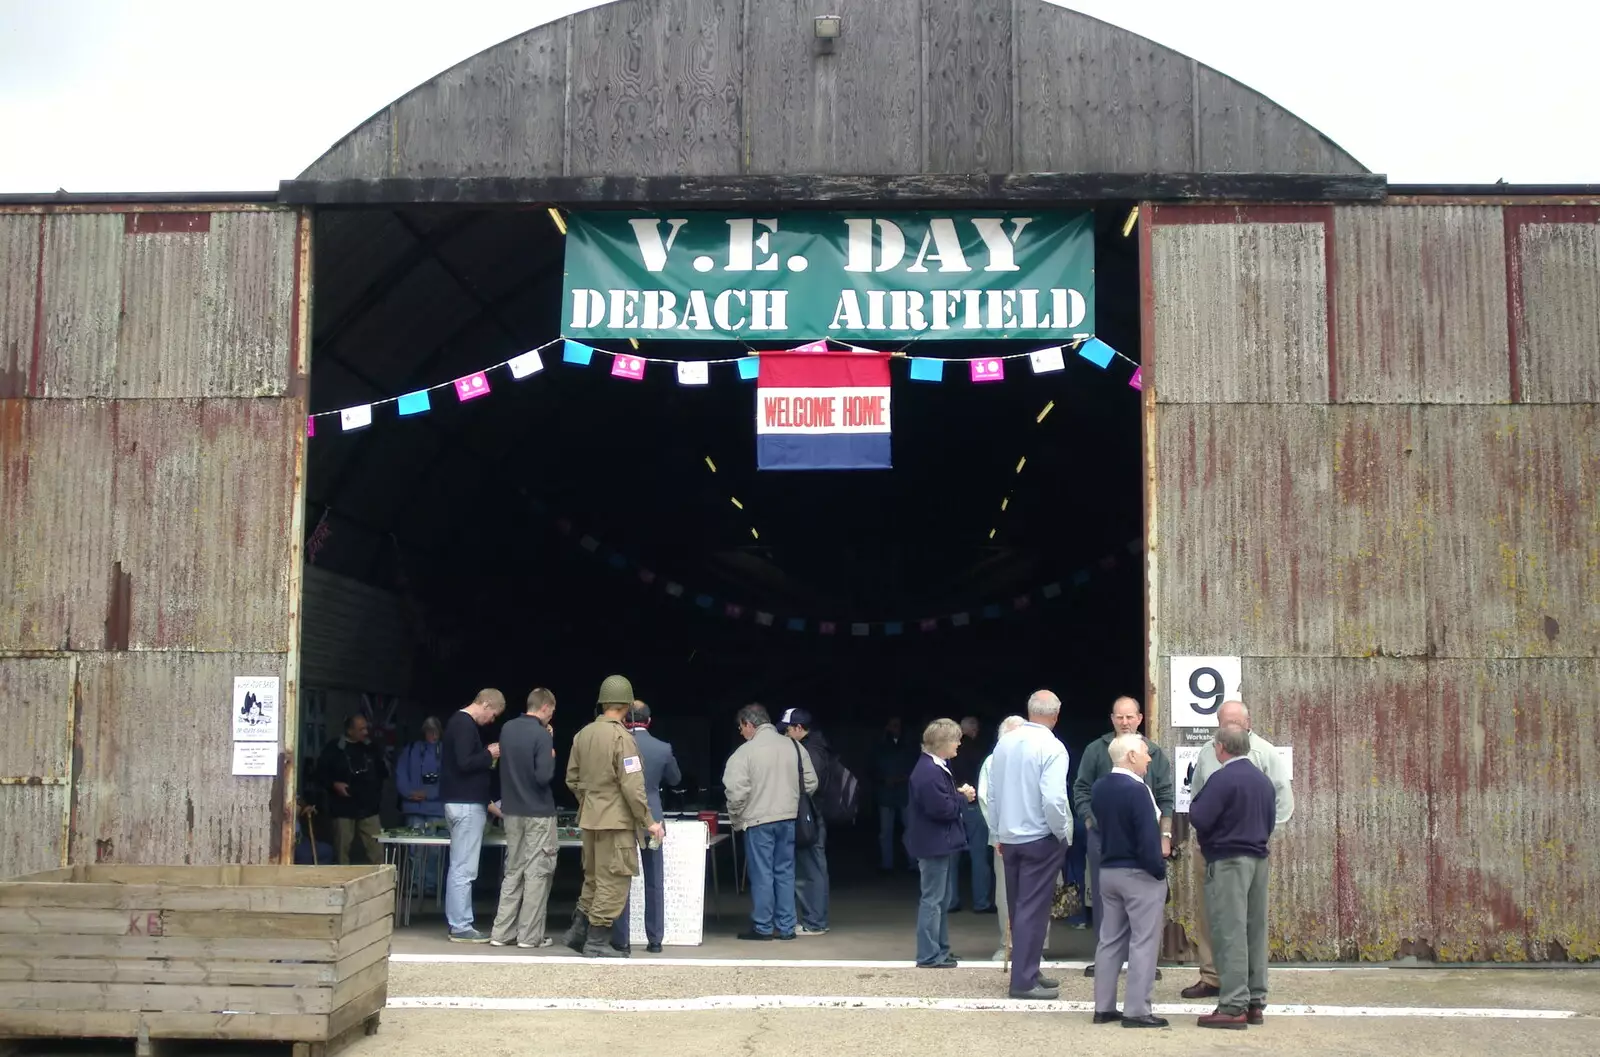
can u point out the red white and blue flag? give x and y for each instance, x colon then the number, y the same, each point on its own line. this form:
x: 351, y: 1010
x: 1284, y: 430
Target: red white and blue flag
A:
x: 822, y: 411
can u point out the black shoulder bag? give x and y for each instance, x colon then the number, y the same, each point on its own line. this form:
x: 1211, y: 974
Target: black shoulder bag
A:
x: 805, y: 820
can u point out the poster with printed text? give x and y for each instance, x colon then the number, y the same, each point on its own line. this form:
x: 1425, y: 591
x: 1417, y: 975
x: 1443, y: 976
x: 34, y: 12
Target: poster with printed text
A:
x: 255, y: 708
x: 255, y: 758
x: 1184, y: 758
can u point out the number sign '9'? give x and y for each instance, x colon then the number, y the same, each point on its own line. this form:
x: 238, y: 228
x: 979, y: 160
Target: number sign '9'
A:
x: 1199, y: 687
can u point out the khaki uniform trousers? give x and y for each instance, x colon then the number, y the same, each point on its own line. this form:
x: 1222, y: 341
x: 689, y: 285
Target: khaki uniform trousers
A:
x: 610, y: 861
x: 1204, y: 957
x: 369, y: 829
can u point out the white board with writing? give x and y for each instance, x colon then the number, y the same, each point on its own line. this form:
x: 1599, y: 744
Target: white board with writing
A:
x: 255, y: 758
x: 1199, y: 687
x: 255, y: 708
x: 683, y: 881
x: 1184, y: 758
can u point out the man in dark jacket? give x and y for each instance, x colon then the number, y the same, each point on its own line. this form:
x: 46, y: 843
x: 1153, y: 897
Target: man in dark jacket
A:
x: 935, y: 839
x: 891, y: 769
x: 465, y: 785
x: 660, y: 767
x: 1126, y: 716
x: 811, y: 864
x: 353, y: 771
x: 527, y: 766
x: 1134, y: 874
x: 1233, y: 816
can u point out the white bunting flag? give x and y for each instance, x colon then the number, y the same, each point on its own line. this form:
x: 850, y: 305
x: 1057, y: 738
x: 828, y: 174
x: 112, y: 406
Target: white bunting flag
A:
x: 526, y: 364
x: 356, y: 417
x: 694, y: 372
x: 1047, y: 360
x: 764, y: 619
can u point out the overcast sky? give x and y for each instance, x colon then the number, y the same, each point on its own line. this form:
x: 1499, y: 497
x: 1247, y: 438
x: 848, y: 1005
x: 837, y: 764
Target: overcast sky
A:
x: 178, y: 95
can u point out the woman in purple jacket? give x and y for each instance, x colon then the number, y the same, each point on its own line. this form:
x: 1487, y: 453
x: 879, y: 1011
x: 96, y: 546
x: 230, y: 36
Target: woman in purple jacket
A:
x: 936, y: 837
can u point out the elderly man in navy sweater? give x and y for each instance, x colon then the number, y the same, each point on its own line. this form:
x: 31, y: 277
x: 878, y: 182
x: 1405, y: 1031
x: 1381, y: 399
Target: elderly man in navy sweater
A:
x: 1133, y: 885
x: 1233, y: 816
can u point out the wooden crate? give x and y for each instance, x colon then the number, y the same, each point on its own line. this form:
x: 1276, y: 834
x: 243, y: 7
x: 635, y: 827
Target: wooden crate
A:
x: 296, y: 954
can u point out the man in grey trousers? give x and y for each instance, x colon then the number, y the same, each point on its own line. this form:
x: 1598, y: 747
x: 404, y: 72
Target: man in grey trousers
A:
x: 1234, y: 816
x: 1133, y: 879
x: 527, y: 766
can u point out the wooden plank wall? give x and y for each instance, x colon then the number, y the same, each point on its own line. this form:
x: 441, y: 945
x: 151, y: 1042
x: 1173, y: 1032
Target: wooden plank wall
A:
x: 1369, y: 492
x: 726, y: 87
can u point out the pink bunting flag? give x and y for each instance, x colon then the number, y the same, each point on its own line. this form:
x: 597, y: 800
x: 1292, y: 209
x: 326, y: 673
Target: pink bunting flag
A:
x: 629, y: 367
x: 988, y: 370
x: 311, y: 427
x: 472, y: 386
x: 812, y: 346
x: 1137, y: 381
x: 827, y: 627
x: 733, y: 611
x: 930, y: 624
x: 647, y: 576
x: 1020, y: 603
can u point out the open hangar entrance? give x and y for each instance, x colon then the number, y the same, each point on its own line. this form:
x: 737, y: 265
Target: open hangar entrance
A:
x: 572, y: 524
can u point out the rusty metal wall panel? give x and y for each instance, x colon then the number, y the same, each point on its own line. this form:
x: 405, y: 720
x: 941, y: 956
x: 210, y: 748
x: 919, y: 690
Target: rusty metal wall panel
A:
x: 1421, y: 305
x: 167, y: 313
x: 1381, y: 520
x: 19, y: 287
x: 1514, y: 567
x: 1242, y: 312
x: 1244, y: 495
x: 1516, y: 810
x: 1378, y: 762
x: 1244, y: 131
x: 35, y: 712
x: 56, y: 554
x: 30, y: 840
x: 1560, y: 336
x: 202, y: 505
x: 156, y: 784
x: 513, y: 100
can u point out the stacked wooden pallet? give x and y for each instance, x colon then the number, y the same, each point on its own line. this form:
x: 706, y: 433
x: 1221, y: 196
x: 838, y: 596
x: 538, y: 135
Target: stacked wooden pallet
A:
x: 296, y: 954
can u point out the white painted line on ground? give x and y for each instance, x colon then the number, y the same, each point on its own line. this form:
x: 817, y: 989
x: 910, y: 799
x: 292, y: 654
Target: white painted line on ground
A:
x: 725, y: 1003
x: 780, y: 963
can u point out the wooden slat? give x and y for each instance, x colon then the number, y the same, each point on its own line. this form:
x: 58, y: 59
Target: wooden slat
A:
x: 56, y: 921
x: 358, y: 1009
x: 165, y: 999
x: 379, y: 882
x: 352, y: 964
x: 359, y: 940
x: 107, y: 1024
x: 375, y: 975
x: 286, y: 876
x: 211, y: 898
x: 223, y: 973
x: 108, y: 946
x: 233, y: 926
x: 366, y: 913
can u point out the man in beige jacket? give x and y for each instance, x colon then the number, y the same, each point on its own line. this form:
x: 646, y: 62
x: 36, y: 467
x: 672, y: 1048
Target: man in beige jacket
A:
x: 763, y: 781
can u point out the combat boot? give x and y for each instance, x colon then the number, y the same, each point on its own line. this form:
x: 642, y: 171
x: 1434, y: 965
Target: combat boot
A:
x: 599, y: 944
x: 578, y: 933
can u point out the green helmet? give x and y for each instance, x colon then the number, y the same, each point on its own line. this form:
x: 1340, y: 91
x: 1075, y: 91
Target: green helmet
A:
x: 616, y: 690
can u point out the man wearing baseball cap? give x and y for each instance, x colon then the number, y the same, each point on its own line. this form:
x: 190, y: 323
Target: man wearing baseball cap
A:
x: 811, y: 864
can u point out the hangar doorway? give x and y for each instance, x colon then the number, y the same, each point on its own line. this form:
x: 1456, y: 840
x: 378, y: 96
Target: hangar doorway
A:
x: 572, y: 524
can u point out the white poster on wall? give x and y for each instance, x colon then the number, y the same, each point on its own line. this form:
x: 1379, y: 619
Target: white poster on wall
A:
x: 255, y: 758
x: 683, y: 880
x: 1286, y: 754
x: 1184, y: 758
x: 255, y: 708
x: 1199, y: 687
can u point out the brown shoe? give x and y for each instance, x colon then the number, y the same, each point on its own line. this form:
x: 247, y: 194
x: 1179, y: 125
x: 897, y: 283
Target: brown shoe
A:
x: 1201, y: 989
x: 1256, y: 1015
x: 1219, y: 1019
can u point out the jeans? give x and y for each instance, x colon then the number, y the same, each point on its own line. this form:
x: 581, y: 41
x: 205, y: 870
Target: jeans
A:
x: 982, y: 869
x: 466, y: 845
x: 887, y: 817
x: 769, y: 860
x: 933, y: 915
x: 811, y: 880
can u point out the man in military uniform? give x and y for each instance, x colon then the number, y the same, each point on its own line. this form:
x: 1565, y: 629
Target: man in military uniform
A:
x: 606, y: 774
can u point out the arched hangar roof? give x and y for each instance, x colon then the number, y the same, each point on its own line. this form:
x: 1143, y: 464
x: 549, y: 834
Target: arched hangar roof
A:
x: 744, y: 87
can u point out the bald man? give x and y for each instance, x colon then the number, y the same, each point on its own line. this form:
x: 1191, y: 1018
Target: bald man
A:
x: 1267, y: 760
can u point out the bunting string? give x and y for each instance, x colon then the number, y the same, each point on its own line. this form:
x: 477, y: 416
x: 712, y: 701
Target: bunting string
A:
x: 631, y: 366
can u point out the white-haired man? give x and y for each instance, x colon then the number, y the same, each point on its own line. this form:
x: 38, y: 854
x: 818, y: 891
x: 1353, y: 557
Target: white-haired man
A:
x: 1007, y: 725
x: 1133, y: 880
x: 1032, y: 823
x: 1265, y: 756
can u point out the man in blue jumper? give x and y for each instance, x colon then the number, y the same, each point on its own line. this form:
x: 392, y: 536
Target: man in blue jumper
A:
x: 1233, y: 816
x: 1133, y: 878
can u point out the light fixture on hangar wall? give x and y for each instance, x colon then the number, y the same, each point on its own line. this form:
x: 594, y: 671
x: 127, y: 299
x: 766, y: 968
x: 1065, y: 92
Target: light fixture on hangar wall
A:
x: 827, y: 29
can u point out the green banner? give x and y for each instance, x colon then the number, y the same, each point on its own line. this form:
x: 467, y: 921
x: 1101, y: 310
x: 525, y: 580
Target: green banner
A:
x: 776, y: 277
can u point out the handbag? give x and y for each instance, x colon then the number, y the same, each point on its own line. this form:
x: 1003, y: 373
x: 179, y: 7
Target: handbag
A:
x: 1068, y: 901
x: 805, y: 820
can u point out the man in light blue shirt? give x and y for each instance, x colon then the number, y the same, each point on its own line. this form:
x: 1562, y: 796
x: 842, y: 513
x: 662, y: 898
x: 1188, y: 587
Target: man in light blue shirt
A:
x: 1027, y: 799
